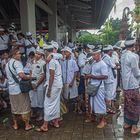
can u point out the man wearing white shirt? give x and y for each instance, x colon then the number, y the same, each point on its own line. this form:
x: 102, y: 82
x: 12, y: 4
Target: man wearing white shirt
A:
x: 130, y: 82
x: 109, y: 82
x: 81, y: 63
x: 30, y: 43
x: 3, y: 41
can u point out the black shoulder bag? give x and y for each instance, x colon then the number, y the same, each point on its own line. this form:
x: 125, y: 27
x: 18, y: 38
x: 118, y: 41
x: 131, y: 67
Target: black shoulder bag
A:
x: 92, y: 90
x: 25, y: 85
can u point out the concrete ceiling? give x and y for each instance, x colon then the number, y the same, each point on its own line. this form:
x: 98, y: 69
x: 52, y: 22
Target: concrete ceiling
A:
x: 82, y: 14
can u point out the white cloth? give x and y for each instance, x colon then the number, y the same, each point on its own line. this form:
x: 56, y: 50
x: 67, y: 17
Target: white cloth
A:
x: 110, y: 65
x: 37, y: 69
x: 109, y: 91
x: 14, y: 88
x: 98, y: 68
x: 54, y: 65
x: 116, y: 60
x: 97, y: 102
x: 31, y: 42
x: 87, y: 68
x: 130, y: 70
x: 52, y: 105
x: 21, y: 42
x: 69, y: 67
x: 81, y: 61
x: 70, y: 92
x: 115, y: 57
x: 4, y: 42
x: 37, y: 96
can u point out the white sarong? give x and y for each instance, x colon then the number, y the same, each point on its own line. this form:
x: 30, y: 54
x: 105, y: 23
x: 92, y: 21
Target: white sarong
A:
x: 70, y: 92
x: 52, y: 105
x: 97, y: 102
x: 37, y: 97
x: 109, y: 91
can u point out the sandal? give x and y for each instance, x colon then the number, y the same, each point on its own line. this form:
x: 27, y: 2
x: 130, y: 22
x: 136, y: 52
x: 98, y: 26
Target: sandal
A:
x: 88, y: 120
x: 41, y: 129
x: 110, y: 111
x: 28, y: 128
x: 56, y: 125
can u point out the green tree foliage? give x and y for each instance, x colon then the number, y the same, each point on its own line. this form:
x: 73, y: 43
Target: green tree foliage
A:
x: 109, y: 34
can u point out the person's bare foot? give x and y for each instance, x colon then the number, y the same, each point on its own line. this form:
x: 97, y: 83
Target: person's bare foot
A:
x: 42, y: 129
x: 126, y: 126
x: 15, y: 126
x: 101, y: 124
x: 135, y: 130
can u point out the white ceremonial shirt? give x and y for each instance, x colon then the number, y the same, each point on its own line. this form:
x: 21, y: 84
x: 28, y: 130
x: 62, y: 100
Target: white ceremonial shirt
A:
x: 21, y: 42
x: 110, y: 65
x: 82, y: 61
x: 69, y: 67
x: 16, y: 67
x: 130, y: 70
x: 31, y: 42
x: 54, y: 65
x: 4, y: 42
x: 98, y: 68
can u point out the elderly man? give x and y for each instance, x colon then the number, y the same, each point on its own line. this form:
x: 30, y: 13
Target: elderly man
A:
x: 130, y: 82
x: 53, y: 90
x: 30, y: 43
x: 37, y: 94
x: 98, y: 74
x: 109, y: 82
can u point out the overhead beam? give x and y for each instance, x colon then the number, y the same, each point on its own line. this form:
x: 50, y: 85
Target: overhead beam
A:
x: 16, y: 5
x: 78, y: 14
x: 101, y: 9
x: 80, y: 10
x: 4, y: 14
x: 84, y: 19
x: 43, y: 6
x: 77, y: 3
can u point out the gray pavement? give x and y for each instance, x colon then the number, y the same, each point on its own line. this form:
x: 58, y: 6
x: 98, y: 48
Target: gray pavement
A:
x: 73, y: 127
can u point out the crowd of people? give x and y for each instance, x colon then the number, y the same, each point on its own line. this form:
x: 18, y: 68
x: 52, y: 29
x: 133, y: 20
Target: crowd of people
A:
x: 61, y: 76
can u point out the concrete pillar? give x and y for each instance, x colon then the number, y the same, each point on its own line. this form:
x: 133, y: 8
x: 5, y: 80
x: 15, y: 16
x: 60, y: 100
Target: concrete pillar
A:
x: 52, y: 20
x: 27, y: 16
x: 72, y: 34
x: 71, y: 30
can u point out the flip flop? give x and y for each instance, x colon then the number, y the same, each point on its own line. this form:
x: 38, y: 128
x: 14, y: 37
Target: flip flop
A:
x: 126, y: 127
x: 41, y: 129
x: 110, y: 111
x: 56, y: 125
x: 29, y: 128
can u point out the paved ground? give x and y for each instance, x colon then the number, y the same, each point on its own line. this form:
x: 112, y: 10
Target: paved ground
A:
x: 72, y: 128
